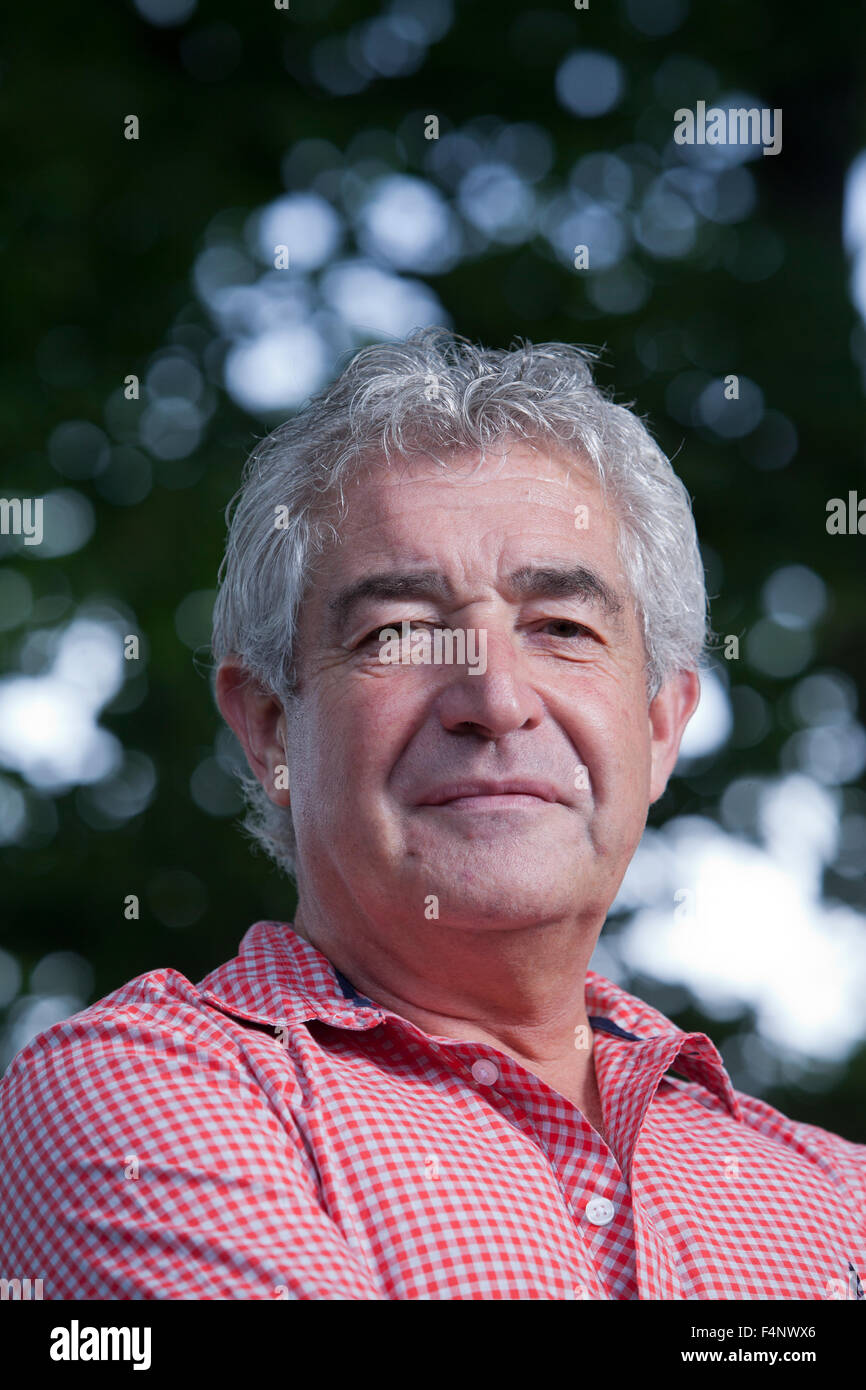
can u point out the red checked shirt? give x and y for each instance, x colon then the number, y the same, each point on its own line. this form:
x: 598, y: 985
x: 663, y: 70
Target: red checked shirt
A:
x: 269, y: 1133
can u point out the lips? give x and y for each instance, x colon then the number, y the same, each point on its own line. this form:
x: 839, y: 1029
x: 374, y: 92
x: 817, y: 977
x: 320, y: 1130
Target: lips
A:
x: 518, y: 786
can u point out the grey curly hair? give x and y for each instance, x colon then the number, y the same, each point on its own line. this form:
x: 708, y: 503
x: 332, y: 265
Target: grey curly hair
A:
x: 438, y: 394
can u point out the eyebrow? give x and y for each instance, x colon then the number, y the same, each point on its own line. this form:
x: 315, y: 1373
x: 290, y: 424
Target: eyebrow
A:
x: 529, y: 581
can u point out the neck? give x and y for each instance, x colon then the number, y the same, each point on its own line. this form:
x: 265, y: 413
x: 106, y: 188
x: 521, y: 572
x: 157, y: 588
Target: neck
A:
x: 519, y: 991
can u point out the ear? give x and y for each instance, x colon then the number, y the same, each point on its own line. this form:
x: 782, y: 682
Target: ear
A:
x: 259, y: 721
x: 669, y: 714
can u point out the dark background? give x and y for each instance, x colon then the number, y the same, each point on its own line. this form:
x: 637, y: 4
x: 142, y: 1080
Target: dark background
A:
x: 101, y: 236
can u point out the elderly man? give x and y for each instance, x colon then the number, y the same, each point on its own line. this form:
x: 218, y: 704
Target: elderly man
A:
x: 418, y: 1089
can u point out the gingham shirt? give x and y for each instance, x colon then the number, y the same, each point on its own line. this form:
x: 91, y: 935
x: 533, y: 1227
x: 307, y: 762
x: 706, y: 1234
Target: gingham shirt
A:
x: 269, y: 1133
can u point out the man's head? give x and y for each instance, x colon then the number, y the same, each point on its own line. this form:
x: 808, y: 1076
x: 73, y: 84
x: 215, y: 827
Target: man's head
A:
x: 495, y: 492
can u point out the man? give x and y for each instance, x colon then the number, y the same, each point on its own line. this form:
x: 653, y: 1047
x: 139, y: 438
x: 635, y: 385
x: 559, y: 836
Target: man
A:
x: 418, y: 1089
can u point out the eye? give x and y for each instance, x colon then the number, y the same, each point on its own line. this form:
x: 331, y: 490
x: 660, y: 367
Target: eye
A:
x: 578, y: 628
x: 395, y: 625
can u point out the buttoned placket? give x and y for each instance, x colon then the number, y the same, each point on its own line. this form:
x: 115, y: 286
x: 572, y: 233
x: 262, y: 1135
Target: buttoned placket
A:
x: 604, y: 1210
x: 600, y: 1209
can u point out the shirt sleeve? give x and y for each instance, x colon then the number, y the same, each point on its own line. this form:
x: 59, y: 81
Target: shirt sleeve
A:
x: 139, y: 1160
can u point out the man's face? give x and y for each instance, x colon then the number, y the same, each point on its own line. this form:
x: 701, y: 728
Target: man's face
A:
x: 373, y: 748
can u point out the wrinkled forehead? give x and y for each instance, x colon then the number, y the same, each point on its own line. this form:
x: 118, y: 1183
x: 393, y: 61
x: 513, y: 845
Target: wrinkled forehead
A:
x: 392, y: 493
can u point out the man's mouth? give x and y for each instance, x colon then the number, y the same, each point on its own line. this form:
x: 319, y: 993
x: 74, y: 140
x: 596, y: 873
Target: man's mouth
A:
x: 511, y: 793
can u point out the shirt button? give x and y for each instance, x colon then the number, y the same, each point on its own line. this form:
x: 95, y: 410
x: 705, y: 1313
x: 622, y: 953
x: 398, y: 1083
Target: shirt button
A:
x: 599, y: 1211
x: 485, y: 1072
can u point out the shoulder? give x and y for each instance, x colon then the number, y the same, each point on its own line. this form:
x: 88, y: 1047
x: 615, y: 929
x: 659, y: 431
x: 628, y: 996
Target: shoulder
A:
x: 149, y: 1148
x: 843, y: 1159
x: 156, y: 1015
x: 151, y: 1057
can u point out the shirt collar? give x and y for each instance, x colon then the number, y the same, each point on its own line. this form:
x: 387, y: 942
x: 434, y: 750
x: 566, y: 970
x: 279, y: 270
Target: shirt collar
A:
x: 278, y: 978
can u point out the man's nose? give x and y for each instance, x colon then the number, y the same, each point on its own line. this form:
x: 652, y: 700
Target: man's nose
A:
x: 490, y: 699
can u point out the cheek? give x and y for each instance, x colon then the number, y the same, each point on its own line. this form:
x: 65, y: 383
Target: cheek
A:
x: 614, y: 738
x: 375, y: 706
x: 353, y: 737
x: 633, y: 767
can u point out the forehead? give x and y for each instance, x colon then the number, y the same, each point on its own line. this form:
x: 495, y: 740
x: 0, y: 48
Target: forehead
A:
x: 535, y: 490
